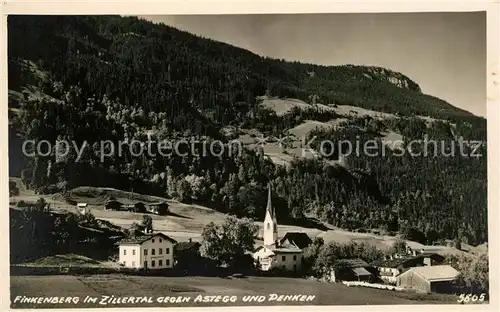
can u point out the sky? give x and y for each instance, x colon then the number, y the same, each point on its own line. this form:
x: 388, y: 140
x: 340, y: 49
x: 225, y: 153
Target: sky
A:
x: 445, y: 53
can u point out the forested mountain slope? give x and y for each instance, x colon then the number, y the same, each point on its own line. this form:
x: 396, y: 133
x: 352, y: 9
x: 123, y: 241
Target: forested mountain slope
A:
x: 92, y: 79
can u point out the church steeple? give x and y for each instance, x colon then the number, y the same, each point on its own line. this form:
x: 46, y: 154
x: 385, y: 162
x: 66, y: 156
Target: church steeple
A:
x: 270, y: 222
x: 269, y: 207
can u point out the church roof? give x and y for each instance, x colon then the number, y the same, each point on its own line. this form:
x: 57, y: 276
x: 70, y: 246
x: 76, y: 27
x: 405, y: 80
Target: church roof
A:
x: 299, y: 239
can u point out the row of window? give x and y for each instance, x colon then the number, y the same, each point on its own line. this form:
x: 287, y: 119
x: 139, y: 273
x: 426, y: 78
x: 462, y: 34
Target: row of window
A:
x: 283, y: 258
x: 153, y: 263
x: 153, y: 251
x: 160, y: 251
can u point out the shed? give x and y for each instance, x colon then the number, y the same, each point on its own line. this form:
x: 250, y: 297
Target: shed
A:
x: 429, y: 279
x: 113, y: 205
x: 354, y: 270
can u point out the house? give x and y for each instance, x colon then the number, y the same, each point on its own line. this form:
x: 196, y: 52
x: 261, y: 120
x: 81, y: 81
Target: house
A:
x: 160, y: 208
x: 82, y: 208
x: 353, y: 270
x: 285, y: 254
x: 427, y: 279
x: 148, y: 251
x: 390, y: 268
x: 113, y: 205
x: 415, y: 249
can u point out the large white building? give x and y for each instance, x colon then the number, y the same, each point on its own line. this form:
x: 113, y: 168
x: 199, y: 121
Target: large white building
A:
x: 285, y: 253
x: 152, y: 251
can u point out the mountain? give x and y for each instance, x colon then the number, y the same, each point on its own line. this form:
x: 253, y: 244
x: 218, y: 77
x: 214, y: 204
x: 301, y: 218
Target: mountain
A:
x: 98, y: 81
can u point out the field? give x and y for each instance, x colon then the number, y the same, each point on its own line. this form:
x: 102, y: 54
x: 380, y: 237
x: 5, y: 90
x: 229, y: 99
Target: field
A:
x: 160, y: 287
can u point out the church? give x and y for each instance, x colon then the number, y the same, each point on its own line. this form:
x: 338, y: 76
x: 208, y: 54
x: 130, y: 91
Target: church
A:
x: 285, y: 253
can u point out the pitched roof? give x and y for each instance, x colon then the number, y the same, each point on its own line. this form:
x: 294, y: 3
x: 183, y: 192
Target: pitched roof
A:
x: 356, y: 263
x: 158, y: 203
x: 286, y: 250
x: 436, y: 273
x: 361, y: 272
x: 282, y: 249
x: 299, y: 239
x: 141, y: 239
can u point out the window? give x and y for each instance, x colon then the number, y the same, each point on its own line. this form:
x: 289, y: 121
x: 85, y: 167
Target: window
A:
x: 167, y: 251
x: 124, y: 263
x: 124, y: 252
x: 145, y: 264
x: 133, y: 252
x: 268, y: 226
x: 295, y: 258
x: 294, y: 267
x: 160, y: 263
x: 152, y: 263
x: 167, y: 262
x: 283, y: 258
x: 160, y: 251
x: 160, y: 240
x: 146, y: 252
x: 153, y: 240
x: 133, y: 264
x: 152, y: 251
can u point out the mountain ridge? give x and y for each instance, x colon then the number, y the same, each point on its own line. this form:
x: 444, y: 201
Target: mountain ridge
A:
x: 107, y: 78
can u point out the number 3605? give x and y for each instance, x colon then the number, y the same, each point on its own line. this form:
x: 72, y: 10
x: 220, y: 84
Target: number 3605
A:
x: 466, y: 298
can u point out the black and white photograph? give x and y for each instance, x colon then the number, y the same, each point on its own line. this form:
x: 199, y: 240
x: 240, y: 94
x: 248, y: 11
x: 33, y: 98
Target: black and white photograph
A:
x: 327, y: 159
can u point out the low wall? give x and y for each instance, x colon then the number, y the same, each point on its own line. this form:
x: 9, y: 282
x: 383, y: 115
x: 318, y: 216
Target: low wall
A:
x: 378, y: 286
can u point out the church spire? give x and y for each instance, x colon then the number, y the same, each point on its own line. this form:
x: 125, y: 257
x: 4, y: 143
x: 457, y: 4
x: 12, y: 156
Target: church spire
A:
x: 270, y: 222
x: 269, y: 207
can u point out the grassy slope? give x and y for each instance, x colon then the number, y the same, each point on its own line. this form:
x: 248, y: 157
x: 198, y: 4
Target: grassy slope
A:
x: 187, y: 221
x: 96, y: 285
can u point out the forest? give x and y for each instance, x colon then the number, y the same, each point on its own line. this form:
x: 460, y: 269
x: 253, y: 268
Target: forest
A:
x: 96, y: 78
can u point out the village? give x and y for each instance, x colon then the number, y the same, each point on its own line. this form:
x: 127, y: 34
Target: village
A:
x: 419, y: 269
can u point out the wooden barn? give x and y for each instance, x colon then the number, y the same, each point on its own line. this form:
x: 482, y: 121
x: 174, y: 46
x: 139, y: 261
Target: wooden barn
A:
x: 113, y: 205
x: 427, y: 279
x: 160, y: 208
x: 354, y: 270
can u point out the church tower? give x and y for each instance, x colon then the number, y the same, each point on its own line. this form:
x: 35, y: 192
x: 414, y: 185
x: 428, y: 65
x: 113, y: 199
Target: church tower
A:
x: 270, y: 222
